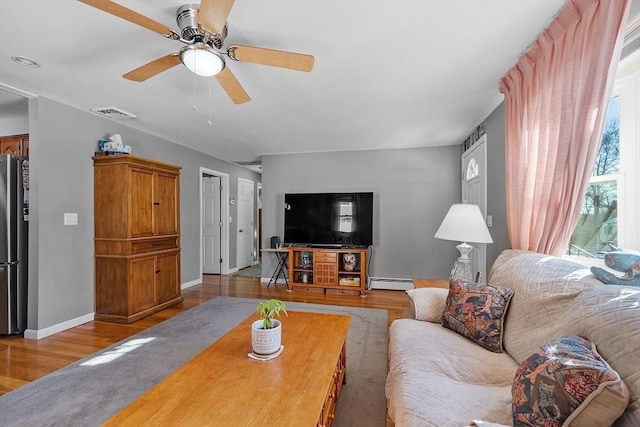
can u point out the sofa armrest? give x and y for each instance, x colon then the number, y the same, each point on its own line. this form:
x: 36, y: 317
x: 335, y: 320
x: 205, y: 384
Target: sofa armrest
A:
x: 427, y: 304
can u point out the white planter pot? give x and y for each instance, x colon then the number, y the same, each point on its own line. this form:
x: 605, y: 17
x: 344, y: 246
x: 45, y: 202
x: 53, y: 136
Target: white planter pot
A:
x: 266, y: 341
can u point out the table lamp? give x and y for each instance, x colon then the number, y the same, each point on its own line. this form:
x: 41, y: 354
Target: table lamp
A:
x: 464, y: 223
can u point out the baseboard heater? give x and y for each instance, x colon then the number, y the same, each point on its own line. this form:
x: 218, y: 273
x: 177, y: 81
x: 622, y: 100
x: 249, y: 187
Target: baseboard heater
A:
x: 390, y: 283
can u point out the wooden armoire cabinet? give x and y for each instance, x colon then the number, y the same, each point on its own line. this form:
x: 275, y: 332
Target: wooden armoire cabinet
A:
x: 137, y: 237
x: 17, y: 145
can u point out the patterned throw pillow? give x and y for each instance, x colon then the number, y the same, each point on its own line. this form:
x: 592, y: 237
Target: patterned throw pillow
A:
x: 567, y: 383
x: 476, y: 311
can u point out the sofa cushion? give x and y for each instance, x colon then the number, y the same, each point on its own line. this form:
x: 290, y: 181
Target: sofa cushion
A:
x: 476, y: 311
x: 427, y: 303
x: 440, y: 378
x: 542, y: 306
x: 555, y: 297
x: 566, y: 382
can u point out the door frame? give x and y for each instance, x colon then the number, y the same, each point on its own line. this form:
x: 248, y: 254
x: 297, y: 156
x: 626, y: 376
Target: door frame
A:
x: 258, y: 224
x: 479, y: 149
x: 224, y: 216
x: 253, y: 222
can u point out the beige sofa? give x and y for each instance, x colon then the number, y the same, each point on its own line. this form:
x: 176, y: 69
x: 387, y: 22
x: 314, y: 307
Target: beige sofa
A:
x: 439, y: 378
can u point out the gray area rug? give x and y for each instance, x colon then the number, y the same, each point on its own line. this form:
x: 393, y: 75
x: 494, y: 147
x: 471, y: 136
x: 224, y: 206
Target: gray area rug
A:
x: 93, y: 389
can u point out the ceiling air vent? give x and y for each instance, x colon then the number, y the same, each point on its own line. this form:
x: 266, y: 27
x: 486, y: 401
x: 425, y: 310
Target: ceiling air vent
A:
x: 113, y: 113
x: 249, y: 163
x: 254, y: 165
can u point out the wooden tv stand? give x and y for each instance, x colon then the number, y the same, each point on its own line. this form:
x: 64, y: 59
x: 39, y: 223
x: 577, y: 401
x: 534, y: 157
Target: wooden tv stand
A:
x: 325, y: 270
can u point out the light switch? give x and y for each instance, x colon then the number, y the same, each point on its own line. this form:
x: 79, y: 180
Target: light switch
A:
x: 70, y: 219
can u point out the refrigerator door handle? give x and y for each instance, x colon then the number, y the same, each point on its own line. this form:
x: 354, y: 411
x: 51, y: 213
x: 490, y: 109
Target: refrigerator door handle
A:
x: 8, y: 264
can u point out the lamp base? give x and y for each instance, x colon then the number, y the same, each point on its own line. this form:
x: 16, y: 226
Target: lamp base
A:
x: 461, y: 270
x: 462, y: 267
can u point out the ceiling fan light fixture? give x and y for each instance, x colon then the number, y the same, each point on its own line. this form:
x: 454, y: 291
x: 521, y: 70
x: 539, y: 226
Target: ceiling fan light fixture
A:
x: 201, y: 59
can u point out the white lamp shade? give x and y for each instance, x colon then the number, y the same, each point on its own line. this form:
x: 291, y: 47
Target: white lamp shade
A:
x: 464, y: 223
x: 201, y: 59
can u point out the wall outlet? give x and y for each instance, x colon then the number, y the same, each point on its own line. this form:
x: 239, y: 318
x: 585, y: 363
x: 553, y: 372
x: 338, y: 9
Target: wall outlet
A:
x: 489, y: 221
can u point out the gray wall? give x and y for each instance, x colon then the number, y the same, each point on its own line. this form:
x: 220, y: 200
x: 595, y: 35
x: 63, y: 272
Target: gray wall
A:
x: 496, y: 193
x: 413, y: 190
x: 62, y: 141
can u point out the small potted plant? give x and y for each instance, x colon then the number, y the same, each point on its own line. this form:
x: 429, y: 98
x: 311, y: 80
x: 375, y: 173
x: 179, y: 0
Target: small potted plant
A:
x: 266, y: 333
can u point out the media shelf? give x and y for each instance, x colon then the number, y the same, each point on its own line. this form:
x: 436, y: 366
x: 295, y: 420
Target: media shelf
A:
x: 340, y: 271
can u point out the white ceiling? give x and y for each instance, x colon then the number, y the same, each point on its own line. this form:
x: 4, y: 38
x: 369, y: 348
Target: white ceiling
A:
x: 388, y: 73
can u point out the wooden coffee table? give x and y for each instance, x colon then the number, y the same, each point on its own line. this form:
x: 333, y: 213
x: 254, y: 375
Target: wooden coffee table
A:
x: 223, y: 387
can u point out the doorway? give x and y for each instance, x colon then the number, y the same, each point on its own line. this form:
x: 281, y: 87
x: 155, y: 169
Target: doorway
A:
x: 474, y: 190
x: 214, y: 220
x: 258, y: 255
x: 245, y: 223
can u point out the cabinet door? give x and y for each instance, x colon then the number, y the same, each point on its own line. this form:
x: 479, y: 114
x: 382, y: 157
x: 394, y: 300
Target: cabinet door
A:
x: 10, y: 145
x: 141, y: 206
x: 24, y: 143
x: 142, y: 283
x: 167, y: 277
x: 166, y: 204
x: 325, y: 273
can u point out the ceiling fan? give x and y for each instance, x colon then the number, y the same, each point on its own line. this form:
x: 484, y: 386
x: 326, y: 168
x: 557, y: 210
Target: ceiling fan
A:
x: 203, y: 31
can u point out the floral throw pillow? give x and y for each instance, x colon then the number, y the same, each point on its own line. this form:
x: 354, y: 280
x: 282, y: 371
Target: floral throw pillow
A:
x: 477, y: 311
x: 567, y: 383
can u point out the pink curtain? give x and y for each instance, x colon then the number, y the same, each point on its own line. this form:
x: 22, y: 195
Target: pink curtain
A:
x: 556, y: 99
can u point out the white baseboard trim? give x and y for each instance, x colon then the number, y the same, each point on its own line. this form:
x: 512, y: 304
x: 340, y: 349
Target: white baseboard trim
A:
x: 280, y: 281
x: 376, y: 283
x: 233, y: 270
x: 190, y: 284
x: 391, y: 283
x: 37, y: 334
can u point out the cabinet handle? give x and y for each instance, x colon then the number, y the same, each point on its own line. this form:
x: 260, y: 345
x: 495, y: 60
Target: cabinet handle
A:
x: 156, y: 203
x: 157, y: 271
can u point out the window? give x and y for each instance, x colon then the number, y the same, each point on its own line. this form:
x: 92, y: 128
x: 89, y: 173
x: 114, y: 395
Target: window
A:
x: 346, y: 217
x: 611, y: 208
x: 473, y: 169
x: 597, y: 227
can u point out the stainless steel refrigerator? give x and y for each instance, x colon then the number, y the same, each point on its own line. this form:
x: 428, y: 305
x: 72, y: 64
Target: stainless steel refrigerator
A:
x: 14, y: 230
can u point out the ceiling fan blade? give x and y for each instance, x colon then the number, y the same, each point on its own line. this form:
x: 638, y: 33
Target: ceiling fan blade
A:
x: 213, y: 14
x: 131, y: 16
x: 232, y: 86
x: 275, y: 58
x: 149, y: 70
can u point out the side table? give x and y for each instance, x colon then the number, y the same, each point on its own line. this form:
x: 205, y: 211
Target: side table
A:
x: 282, y: 269
x: 430, y: 283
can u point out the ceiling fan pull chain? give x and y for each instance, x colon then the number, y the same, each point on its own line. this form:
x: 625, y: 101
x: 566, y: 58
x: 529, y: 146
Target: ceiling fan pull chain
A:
x: 210, y: 83
x: 195, y: 94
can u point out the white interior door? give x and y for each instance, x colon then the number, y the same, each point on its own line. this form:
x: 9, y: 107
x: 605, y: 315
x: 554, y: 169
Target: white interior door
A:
x: 474, y: 191
x: 211, y: 224
x: 245, y: 222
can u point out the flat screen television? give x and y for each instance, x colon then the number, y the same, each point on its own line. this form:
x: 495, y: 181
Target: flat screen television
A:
x: 328, y: 219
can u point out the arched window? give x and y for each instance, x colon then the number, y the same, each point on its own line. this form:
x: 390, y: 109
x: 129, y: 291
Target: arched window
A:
x: 473, y: 169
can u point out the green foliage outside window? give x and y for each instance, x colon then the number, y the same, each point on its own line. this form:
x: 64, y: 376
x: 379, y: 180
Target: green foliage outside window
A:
x: 598, y: 223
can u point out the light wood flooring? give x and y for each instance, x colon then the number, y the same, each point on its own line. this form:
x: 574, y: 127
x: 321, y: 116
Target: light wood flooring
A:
x: 23, y: 361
